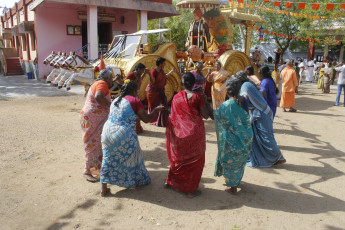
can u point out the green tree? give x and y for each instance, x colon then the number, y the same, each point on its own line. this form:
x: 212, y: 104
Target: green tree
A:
x: 179, y: 26
x: 300, y: 27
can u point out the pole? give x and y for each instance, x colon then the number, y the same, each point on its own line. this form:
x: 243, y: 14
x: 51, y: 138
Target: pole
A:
x: 160, y: 27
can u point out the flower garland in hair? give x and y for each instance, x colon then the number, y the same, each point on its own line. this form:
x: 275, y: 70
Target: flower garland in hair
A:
x: 127, y: 81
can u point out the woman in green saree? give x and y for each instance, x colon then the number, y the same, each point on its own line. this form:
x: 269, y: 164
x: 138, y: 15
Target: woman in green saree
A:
x: 234, y: 135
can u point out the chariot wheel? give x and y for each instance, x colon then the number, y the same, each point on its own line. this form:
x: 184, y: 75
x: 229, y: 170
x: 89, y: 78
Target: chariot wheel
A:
x: 173, y: 84
x: 234, y: 61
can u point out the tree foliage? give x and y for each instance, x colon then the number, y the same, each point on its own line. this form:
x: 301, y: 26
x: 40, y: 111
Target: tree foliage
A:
x: 179, y: 26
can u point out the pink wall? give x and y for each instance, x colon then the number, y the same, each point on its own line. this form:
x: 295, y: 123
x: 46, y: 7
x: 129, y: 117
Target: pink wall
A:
x: 130, y: 20
x: 51, y: 22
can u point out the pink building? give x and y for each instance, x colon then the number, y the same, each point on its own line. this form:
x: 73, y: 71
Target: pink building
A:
x: 32, y: 29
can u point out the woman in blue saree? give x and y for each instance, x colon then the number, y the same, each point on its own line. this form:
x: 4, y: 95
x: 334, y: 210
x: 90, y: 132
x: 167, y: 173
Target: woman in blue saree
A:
x: 234, y: 135
x: 265, y: 151
x: 123, y: 162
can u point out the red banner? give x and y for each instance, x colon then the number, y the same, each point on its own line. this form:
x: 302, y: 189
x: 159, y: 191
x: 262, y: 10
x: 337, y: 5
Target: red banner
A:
x: 316, y: 6
x: 330, y: 6
x: 277, y: 4
x: 301, y: 5
x: 288, y: 4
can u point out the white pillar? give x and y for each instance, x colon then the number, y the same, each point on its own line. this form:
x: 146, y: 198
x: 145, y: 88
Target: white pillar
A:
x: 92, y: 32
x: 143, y: 24
x: 341, y: 56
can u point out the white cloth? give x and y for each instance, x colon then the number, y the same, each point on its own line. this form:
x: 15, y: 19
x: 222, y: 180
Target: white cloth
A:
x: 310, y: 73
x: 341, y: 78
x: 301, y: 69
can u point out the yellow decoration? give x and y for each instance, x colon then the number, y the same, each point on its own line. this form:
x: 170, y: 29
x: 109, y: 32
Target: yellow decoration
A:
x: 127, y: 81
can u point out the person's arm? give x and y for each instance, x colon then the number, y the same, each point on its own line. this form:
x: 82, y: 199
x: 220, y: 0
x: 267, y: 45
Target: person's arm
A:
x: 100, y: 98
x: 147, y: 117
x: 171, y: 71
x: 147, y: 71
x: 209, y: 76
x: 295, y: 81
x: 205, y: 112
x: 118, y: 79
x: 263, y: 88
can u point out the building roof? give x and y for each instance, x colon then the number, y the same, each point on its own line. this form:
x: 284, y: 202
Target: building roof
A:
x: 155, y: 9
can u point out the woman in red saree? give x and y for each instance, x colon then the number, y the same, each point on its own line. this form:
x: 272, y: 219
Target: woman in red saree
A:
x: 185, y: 139
x: 155, y: 92
x: 137, y: 75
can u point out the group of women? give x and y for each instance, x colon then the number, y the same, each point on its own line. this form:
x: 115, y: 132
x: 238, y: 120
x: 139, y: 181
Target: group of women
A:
x: 244, y: 126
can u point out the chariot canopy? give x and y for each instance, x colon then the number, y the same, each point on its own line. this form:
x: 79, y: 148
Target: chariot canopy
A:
x: 127, y: 45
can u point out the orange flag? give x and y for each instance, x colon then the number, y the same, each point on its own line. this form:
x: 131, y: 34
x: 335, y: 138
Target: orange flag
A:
x: 101, y: 63
x: 288, y: 4
x: 79, y: 54
x: 342, y: 6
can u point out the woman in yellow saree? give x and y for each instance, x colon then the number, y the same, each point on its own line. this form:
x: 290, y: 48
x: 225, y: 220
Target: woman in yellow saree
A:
x: 218, y: 78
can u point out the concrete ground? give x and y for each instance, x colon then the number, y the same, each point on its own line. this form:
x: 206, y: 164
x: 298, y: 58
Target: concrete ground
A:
x: 20, y: 86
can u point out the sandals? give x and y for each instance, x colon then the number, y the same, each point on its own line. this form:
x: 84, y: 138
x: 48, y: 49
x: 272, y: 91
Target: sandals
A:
x: 90, y: 178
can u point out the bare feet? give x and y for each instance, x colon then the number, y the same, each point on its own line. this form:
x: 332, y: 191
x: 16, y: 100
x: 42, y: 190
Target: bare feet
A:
x: 292, y: 110
x: 231, y: 190
x: 192, y: 195
x: 105, y: 193
x: 105, y: 190
x: 90, y: 178
x: 284, y: 110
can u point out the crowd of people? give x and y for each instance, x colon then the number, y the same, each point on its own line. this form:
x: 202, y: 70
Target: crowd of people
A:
x: 244, y: 107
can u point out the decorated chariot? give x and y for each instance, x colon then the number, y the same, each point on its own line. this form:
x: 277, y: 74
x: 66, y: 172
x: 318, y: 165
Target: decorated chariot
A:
x: 209, y: 39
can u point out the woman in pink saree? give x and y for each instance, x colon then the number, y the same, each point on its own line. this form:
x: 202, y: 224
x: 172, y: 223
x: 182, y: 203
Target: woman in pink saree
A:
x: 92, y: 118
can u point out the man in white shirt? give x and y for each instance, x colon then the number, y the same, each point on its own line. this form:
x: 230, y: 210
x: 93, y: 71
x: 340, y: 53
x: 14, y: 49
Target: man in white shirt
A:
x: 301, y: 70
x: 310, y: 69
x: 341, y: 81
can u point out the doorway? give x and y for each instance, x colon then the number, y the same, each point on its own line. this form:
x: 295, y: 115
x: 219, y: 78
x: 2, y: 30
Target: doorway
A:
x: 104, y: 33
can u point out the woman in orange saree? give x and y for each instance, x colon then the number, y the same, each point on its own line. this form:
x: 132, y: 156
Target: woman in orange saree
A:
x: 92, y: 118
x: 218, y: 78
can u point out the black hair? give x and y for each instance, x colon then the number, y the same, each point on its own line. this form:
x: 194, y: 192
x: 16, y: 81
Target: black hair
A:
x: 266, y: 73
x: 159, y: 61
x: 242, y: 76
x: 126, y: 89
x: 188, y: 80
x: 270, y: 59
x: 233, y: 86
x: 139, y: 66
x: 250, y: 69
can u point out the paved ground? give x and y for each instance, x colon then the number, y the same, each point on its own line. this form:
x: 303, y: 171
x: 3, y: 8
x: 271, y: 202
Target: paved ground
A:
x: 20, y: 86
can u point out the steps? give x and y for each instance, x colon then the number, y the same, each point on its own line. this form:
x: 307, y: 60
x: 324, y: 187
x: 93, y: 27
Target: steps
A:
x: 13, y: 66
